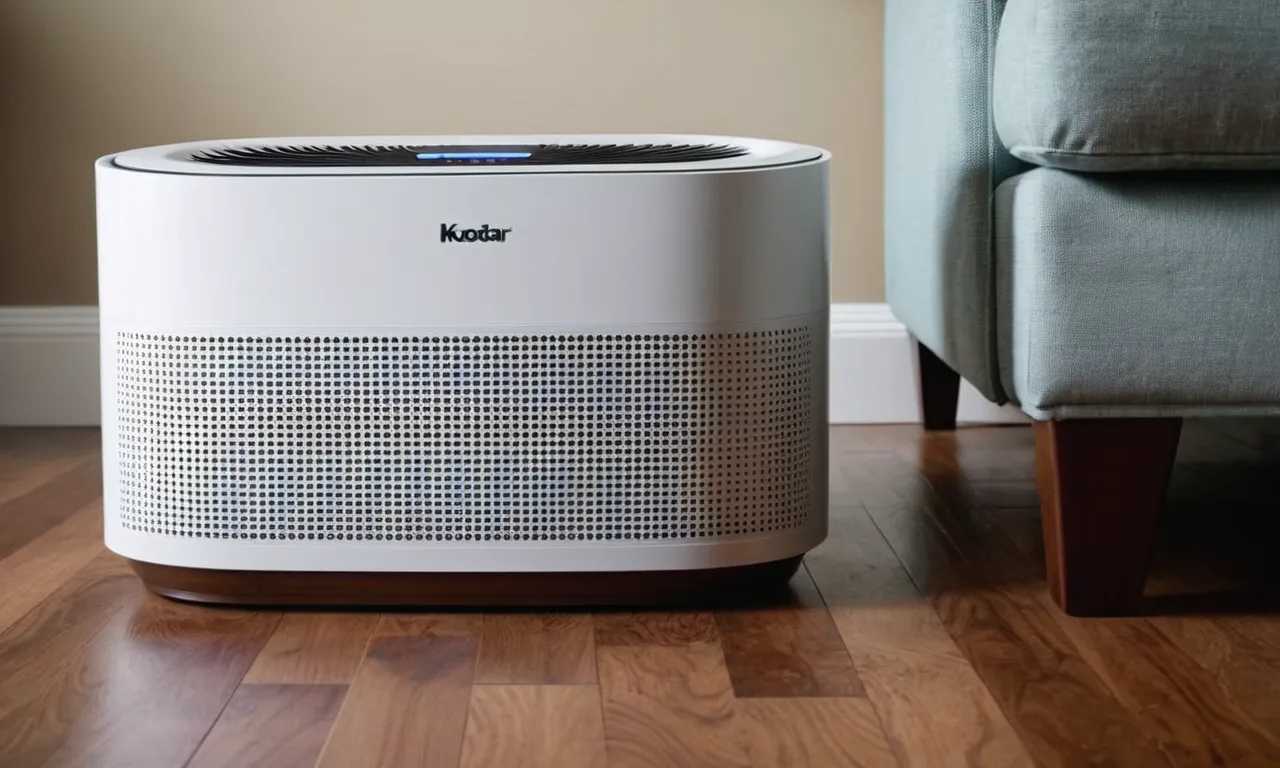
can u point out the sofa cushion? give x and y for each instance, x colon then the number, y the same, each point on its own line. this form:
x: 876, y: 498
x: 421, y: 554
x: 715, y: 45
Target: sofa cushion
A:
x: 1119, y: 85
x: 1120, y: 297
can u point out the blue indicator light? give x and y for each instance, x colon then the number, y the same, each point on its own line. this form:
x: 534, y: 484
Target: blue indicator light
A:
x: 472, y: 155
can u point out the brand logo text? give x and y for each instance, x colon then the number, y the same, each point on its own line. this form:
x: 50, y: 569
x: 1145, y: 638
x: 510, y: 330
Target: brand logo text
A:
x: 449, y: 233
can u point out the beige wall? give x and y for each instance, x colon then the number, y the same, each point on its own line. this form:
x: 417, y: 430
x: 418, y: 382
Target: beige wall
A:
x: 81, y: 78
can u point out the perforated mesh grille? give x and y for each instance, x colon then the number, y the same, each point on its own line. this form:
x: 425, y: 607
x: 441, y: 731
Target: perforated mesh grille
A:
x: 464, y: 439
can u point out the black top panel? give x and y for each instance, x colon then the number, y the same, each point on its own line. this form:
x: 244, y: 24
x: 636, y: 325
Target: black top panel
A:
x: 453, y: 154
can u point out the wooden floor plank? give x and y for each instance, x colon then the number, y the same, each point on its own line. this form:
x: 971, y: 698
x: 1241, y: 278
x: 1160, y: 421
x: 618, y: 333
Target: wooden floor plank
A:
x: 878, y: 480
x: 1183, y: 707
x: 537, y: 648
x: 1240, y: 653
x: 669, y: 706
x: 271, y: 726
x: 95, y: 671
x: 934, y: 707
x: 407, y: 706
x: 788, y: 650
x: 655, y: 628
x: 151, y: 684
x: 814, y: 732
x: 314, y: 648
x: 1195, y: 685
x: 534, y: 726
x: 39, y: 654
x: 1212, y: 585
x: 30, y: 458
x: 988, y: 602
x: 38, y: 569
x: 987, y: 469
x: 33, y: 513
x: 430, y: 624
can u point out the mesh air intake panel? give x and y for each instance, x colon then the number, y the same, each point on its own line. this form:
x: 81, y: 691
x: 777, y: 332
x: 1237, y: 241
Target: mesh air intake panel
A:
x: 469, y: 438
x: 429, y: 156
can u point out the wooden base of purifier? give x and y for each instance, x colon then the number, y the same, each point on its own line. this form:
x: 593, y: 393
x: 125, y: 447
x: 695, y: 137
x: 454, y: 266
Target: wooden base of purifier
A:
x: 428, y: 590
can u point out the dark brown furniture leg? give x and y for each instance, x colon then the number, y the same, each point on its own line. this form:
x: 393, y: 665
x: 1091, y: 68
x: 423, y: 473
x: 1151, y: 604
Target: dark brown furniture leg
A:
x: 1102, y: 483
x: 939, y: 390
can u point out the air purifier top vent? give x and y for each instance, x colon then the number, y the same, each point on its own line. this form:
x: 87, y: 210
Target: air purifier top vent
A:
x: 432, y: 155
x: 469, y: 155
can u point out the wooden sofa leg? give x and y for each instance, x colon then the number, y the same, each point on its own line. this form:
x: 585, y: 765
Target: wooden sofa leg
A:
x: 939, y: 391
x: 1102, y: 484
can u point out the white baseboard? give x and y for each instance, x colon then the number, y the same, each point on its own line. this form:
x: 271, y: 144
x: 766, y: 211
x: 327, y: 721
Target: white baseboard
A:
x: 874, y: 373
x: 49, y: 369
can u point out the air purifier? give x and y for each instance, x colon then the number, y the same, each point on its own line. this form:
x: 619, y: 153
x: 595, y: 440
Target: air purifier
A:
x: 443, y: 370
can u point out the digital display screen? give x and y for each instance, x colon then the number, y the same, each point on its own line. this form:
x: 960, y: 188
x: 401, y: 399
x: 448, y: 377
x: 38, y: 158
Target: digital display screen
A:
x: 472, y: 154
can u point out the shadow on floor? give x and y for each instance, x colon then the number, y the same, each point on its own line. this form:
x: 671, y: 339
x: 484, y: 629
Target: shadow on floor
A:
x: 1217, y: 552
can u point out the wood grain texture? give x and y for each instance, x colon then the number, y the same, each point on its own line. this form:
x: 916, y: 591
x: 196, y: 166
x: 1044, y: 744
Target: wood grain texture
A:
x: 983, y: 469
x: 1047, y: 691
x: 669, y: 706
x: 530, y: 726
x: 537, y: 648
x: 933, y: 707
x: 655, y: 628
x: 1170, y: 667
x: 1241, y: 653
x: 877, y: 479
x: 271, y: 726
x: 150, y: 685
x: 792, y: 649
x: 407, y: 706
x: 1213, y: 582
x: 314, y: 648
x: 963, y: 657
x: 1189, y: 713
x: 1196, y: 713
x: 814, y: 732
x: 40, y: 509
x: 41, y: 653
x: 30, y: 458
x: 35, y: 571
x: 433, y: 624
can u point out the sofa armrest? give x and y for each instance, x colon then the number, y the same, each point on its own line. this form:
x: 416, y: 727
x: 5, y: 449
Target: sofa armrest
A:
x: 943, y: 161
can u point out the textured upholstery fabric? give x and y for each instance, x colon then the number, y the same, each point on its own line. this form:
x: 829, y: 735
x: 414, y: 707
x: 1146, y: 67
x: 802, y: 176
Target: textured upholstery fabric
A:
x: 942, y: 164
x: 1113, y: 85
x: 1131, y: 295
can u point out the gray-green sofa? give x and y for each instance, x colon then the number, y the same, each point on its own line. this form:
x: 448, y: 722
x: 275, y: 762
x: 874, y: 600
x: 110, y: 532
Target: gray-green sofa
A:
x: 1083, y: 218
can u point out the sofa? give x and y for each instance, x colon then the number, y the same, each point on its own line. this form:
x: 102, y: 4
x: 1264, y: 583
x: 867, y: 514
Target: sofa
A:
x: 1083, y: 219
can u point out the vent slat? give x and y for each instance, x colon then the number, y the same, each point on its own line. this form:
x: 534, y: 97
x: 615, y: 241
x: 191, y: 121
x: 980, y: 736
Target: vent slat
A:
x: 403, y: 155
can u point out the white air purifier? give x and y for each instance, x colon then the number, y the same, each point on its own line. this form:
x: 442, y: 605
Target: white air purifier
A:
x: 446, y: 370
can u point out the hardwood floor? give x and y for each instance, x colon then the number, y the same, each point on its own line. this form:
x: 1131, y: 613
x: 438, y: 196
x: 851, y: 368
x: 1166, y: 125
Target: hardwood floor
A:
x: 921, y: 633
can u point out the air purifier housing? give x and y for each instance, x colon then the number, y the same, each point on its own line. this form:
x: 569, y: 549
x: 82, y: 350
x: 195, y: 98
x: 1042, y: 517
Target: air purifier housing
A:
x: 373, y: 362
